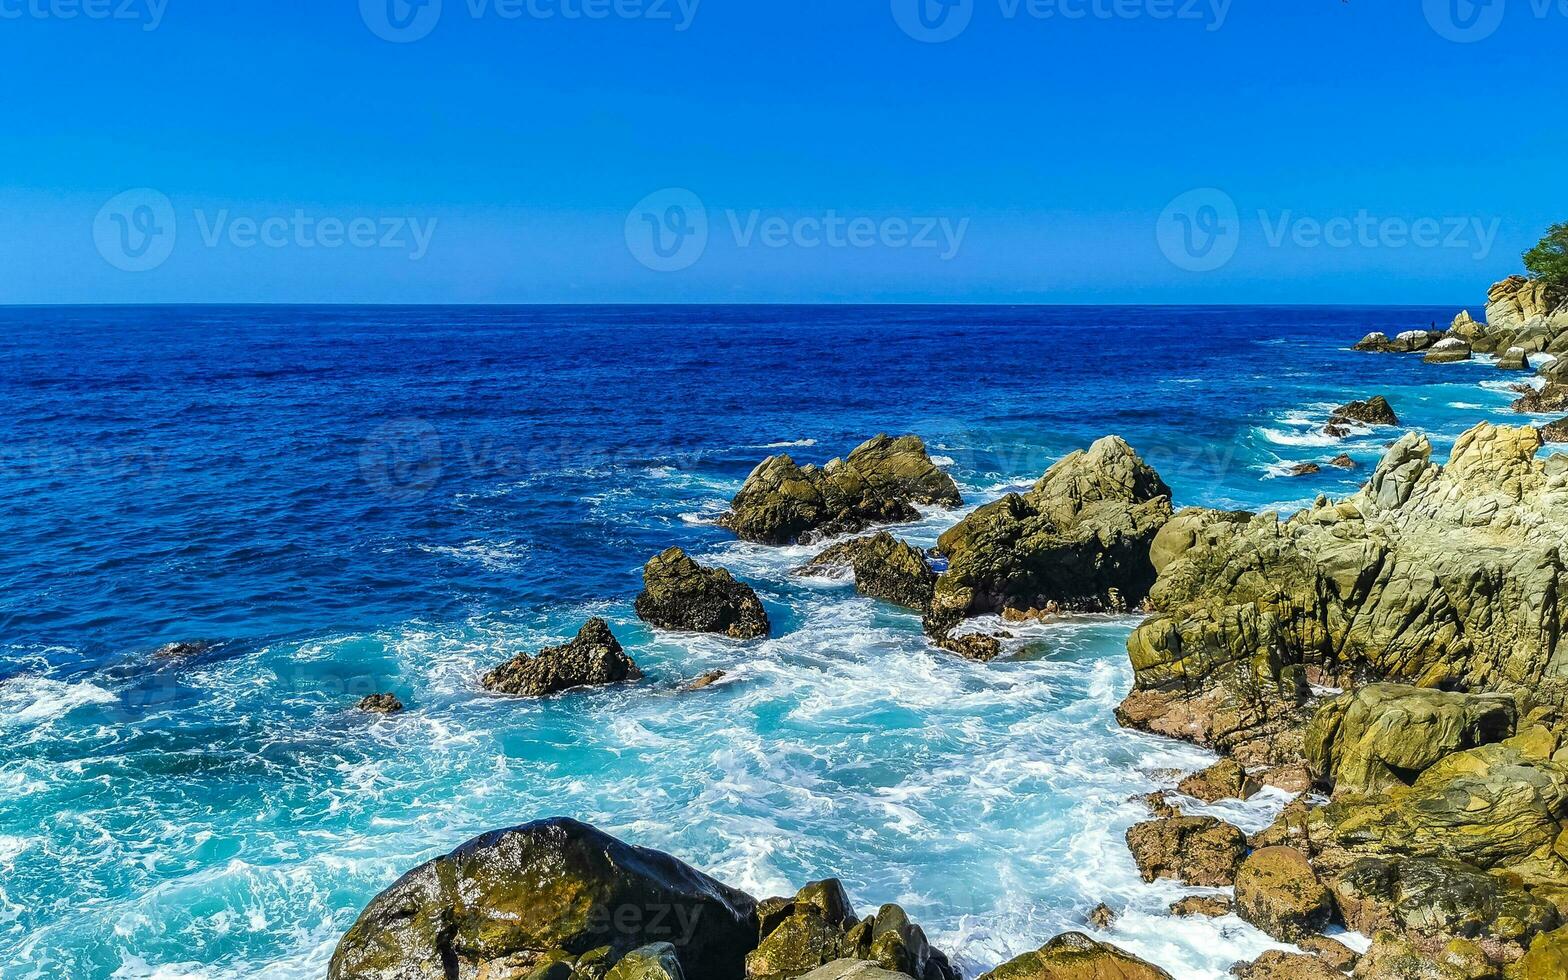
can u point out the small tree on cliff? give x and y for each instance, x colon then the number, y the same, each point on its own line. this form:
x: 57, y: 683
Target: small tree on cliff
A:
x: 1549, y: 259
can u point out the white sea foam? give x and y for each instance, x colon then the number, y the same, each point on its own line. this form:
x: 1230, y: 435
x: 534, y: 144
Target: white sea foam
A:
x: 944, y: 461
x: 1297, y: 437
x: 786, y: 445
x: 30, y: 700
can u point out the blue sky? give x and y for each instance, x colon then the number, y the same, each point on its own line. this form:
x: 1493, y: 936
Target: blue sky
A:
x: 1060, y: 151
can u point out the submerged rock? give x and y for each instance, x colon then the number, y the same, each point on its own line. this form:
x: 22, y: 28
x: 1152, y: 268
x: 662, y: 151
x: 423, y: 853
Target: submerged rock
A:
x: 879, y: 483
x: 593, y: 658
x: 381, y: 704
x: 1212, y: 906
x: 183, y: 650
x: 1074, y: 956
x: 1199, y: 851
x: 539, y: 894
x: 1080, y: 539
x: 1386, y: 735
x: 679, y: 594
x: 884, y: 568
x: 1101, y: 917
x: 709, y: 679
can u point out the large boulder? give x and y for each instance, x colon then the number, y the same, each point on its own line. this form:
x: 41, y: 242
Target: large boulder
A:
x: 1438, y: 900
x: 542, y: 893
x: 1200, y: 851
x: 1431, y: 576
x: 1277, y: 965
x: 1227, y: 779
x: 1074, y: 956
x: 679, y: 594
x: 1079, y: 539
x: 1449, y: 350
x: 1374, y: 411
x: 593, y: 658
x: 1526, y: 313
x: 879, y: 483
x: 884, y: 568
x: 1514, y: 359
x: 1277, y: 891
x: 1394, y: 956
x: 1386, y: 735
x: 659, y: 961
x: 819, y: 927
x: 1547, y: 958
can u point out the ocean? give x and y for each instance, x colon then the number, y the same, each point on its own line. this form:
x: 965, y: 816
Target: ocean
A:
x: 341, y: 500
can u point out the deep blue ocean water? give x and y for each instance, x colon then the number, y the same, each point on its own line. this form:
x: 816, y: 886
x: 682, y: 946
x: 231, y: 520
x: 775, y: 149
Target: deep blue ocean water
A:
x: 347, y: 500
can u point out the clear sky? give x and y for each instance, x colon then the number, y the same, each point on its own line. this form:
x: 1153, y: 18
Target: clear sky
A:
x: 1056, y: 151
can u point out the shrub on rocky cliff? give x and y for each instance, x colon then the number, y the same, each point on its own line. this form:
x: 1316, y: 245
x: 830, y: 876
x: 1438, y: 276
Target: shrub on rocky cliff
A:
x: 1548, y: 260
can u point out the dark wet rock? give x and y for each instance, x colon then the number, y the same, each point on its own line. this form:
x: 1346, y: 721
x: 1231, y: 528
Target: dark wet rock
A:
x: 1386, y: 735
x: 709, y: 679
x: 1212, y: 906
x: 1305, y: 469
x: 879, y: 483
x: 1074, y: 956
x: 1555, y: 433
x: 1550, y: 399
x: 1514, y: 359
x: 184, y: 650
x: 1225, y: 780
x: 381, y: 704
x: 536, y: 892
x: 654, y: 962
x: 592, y: 659
x: 679, y: 594
x: 1157, y: 804
x: 1374, y: 411
x: 1199, y: 851
x: 1277, y: 891
x: 1078, y: 540
x: 1429, y: 899
x: 819, y: 927
x: 979, y: 647
x: 1278, y: 965
x: 1344, y: 462
x: 884, y: 568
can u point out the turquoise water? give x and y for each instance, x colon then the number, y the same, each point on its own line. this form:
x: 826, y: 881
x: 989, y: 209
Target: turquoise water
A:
x: 351, y: 500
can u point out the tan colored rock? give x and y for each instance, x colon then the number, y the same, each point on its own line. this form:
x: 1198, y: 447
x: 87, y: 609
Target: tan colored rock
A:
x: 1199, y: 851
x: 1277, y: 965
x: 1277, y: 891
x: 1331, y: 951
x: 1225, y: 780
x: 1213, y: 906
x: 1074, y: 956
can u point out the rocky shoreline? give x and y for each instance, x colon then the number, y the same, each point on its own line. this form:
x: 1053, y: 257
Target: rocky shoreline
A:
x: 1391, y: 660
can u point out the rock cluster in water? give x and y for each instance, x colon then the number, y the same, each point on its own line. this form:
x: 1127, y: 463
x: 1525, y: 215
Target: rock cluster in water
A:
x: 593, y: 658
x: 679, y: 594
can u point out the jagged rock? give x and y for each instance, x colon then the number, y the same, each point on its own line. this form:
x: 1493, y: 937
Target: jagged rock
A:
x: 1080, y: 539
x: 183, y: 650
x: 1277, y: 891
x: 679, y: 594
x: 1157, y: 804
x: 1449, y: 350
x: 594, y: 658
x: 1199, y: 851
x: 1331, y: 951
x: 1305, y: 469
x: 818, y: 927
x: 1277, y: 965
x: 1074, y: 956
x: 1394, y: 957
x: 709, y: 679
x: 1552, y: 398
x: 1376, y: 342
x: 1227, y: 779
x: 1436, y: 900
x: 979, y: 647
x: 884, y: 568
x: 1407, y: 342
x: 879, y: 483
x: 521, y: 897
x: 1465, y: 327
x: 1386, y: 735
x: 380, y: 704
x: 1555, y: 433
x: 1431, y: 576
x: 1526, y: 313
x: 1514, y: 359
x: 1555, y: 371
x: 1374, y: 411
x: 1213, y: 906
x: 655, y: 962
x: 1344, y: 462
x: 1101, y: 917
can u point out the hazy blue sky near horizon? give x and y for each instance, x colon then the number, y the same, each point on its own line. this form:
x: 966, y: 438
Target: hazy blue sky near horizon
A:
x: 1094, y: 151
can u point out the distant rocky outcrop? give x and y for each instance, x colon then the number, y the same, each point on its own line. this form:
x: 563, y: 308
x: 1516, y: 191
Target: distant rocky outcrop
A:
x: 679, y: 594
x: 879, y: 483
x: 1407, y: 342
x: 883, y: 567
x: 593, y: 658
x: 1079, y: 540
x: 560, y: 900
